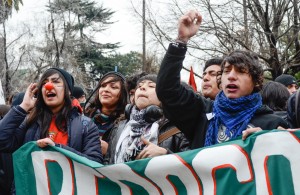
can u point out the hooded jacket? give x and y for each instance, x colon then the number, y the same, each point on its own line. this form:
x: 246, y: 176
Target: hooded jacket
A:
x: 190, y: 111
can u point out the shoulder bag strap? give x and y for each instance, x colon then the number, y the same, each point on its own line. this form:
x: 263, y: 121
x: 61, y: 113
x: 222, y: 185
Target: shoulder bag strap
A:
x: 162, y: 137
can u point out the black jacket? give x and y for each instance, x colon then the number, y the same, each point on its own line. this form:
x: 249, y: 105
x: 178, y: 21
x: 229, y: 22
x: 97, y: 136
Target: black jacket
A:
x: 6, y: 173
x: 173, y: 144
x: 83, y: 137
x: 187, y: 110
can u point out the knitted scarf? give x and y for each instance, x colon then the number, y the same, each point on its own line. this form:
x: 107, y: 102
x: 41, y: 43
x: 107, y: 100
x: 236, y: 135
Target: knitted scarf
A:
x: 102, y: 121
x: 129, y: 144
x: 234, y: 114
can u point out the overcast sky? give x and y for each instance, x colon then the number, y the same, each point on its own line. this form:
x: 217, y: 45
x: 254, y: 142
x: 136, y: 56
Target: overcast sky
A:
x: 126, y: 29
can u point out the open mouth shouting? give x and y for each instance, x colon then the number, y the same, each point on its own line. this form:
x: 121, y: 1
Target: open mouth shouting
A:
x: 50, y: 95
x: 232, y: 88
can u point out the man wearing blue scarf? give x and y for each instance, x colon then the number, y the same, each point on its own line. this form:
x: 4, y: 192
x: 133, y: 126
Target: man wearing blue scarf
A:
x: 238, y: 106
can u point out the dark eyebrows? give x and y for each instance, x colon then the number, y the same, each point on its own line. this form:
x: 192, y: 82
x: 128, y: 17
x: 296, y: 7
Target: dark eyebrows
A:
x: 55, y: 78
x: 112, y: 80
x: 150, y: 82
x: 212, y: 71
x: 51, y: 79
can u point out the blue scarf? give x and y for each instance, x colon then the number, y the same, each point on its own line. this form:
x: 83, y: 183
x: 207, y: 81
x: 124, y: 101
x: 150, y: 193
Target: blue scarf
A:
x: 234, y: 114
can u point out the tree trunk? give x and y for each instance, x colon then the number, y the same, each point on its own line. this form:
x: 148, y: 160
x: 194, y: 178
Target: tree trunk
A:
x: 7, y: 89
x: 296, y: 32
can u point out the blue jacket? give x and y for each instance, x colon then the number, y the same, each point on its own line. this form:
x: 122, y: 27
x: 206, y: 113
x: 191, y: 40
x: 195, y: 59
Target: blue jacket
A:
x: 83, y: 136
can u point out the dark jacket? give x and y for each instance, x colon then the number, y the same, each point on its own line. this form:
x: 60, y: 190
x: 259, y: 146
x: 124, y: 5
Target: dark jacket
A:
x: 175, y: 143
x: 83, y: 138
x: 187, y: 110
x: 282, y: 114
x: 293, y: 111
x: 6, y: 173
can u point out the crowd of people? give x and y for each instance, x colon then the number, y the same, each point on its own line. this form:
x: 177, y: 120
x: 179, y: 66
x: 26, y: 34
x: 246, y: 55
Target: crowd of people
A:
x: 147, y: 115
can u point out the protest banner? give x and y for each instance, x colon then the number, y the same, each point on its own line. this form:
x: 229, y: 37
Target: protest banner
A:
x: 265, y: 163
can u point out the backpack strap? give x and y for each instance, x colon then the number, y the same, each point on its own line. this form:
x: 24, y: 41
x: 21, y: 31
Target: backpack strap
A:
x: 162, y: 137
x: 296, y: 107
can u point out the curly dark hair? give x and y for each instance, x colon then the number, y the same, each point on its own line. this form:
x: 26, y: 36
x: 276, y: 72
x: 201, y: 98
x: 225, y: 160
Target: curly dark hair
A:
x: 213, y: 61
x: 245, y: 61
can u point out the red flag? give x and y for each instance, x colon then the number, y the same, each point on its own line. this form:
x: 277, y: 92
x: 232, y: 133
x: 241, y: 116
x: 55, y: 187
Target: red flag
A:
x: 192, y: 81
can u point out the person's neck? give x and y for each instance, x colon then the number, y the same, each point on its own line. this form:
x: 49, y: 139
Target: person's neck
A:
x: 107, y: 111
x: 56, y: 109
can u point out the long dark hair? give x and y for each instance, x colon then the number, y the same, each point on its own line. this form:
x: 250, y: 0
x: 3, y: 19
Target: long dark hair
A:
x: 41, y: 112
x: 95, y: 104
x: 275, y: 95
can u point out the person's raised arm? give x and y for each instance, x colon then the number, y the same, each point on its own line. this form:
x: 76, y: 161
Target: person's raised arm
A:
x: 176, y: 99
x: 188, y: 26
x: 29, y: 98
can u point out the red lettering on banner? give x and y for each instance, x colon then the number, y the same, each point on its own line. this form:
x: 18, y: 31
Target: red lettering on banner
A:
x: 192, y: 171
x: 280, y: 142
x: 85, y: 176
x: 96, y: 184
x: 154, y: 174
x: 42, y: 176
x: 267, y: 175
x: 175, y: 166
x: 47, y: 172
x: 119, y: 172
x: 72, y: 172
x: 205, y: 163
x: 293, y: 134
x: 248, y: 163
x: 160, y: 192
x: 175, y: 189
x: 213, y: 174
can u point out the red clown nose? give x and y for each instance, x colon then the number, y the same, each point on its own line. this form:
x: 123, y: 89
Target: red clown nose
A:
x: 49, y: 86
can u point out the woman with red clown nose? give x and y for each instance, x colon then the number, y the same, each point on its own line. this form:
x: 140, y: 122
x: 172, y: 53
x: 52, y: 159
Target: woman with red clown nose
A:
x: 53, y: 119
x: 49, y: 86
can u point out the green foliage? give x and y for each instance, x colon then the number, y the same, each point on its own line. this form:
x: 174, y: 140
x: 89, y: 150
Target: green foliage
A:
x: 87, y: 12
x: 126, y: 64
x: 16, y: 4
x: 297, y: 76
x: 267, y: 76
x: 294, y: 70
x: 82, y: 19
x: 6, y: 8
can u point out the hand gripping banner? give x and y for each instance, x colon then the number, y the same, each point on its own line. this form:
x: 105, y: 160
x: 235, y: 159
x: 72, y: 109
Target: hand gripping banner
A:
x: 267, y: 162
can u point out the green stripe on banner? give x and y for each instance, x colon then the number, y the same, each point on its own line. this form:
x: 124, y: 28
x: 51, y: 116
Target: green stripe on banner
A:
x: 265, y: 163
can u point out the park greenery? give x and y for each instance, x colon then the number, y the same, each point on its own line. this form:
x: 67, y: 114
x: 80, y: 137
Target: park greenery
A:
x: 269, y: 28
